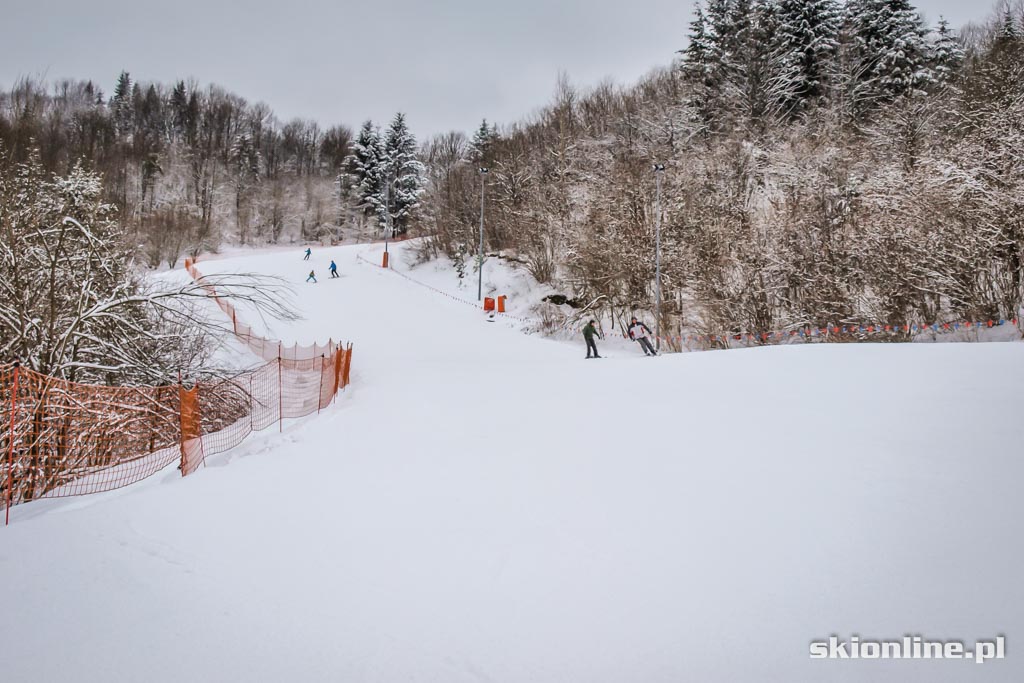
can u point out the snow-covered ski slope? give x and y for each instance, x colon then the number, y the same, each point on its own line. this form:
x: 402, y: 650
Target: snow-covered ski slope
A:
x: 485, y: 505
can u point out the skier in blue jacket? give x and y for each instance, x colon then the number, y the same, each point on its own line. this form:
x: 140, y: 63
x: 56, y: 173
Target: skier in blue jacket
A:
x: 334, y: 269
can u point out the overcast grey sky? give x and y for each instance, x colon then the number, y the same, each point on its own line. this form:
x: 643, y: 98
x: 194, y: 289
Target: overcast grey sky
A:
x: 446, y: 63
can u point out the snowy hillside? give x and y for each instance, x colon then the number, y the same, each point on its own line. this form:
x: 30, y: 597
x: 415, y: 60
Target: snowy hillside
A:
x: 486, y: 505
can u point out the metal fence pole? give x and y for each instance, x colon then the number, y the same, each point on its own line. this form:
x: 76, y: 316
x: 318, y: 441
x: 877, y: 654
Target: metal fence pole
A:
x: 280, y: 400
x: 252, y: 406
x: 10, y: 446
x: 320, y: 394
x: 658, y: 170
x: 181, y: 425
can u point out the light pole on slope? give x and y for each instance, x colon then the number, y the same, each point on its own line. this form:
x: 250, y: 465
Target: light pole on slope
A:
x: 480, y: 265
x: 387, y: 218
x: 658, y: 169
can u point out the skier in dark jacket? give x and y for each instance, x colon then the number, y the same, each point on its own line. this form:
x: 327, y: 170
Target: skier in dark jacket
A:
x: 309, y: 252
x: 334, y: 269
x: 589, y: 331
x: 638, y: 332
x: 312, y: 276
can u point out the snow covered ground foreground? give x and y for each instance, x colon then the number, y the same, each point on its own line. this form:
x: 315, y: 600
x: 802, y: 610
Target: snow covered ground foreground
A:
x: 484, y: 505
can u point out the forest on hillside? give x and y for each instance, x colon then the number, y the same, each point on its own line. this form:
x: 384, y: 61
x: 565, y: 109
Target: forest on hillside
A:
x: 825, y: 163
x: 190, y: 168
x: 96, y: 190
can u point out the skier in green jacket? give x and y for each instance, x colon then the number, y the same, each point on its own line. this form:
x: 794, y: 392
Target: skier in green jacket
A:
x: 589, y: 331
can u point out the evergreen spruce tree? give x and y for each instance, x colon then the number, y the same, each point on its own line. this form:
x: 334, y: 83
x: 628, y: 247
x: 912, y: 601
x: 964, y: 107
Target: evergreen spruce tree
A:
x: 720, y: 28
x: 245, y: 169
x: 405, y: 172
x: 755, y: 23
x: 947, y: 55
x: 806, y: 44
x: 710, y: 62
x: 726, y: 61
x: 179, y: 109
x: 481, y: 144
x: 152, y: 115
x: 1009, y: 30
x: 697, y: 64
x: 889, y: 49
x: 366, y: 170
x: 1009, y: 41
x: 121, y: 104
x: 136, y: 107
x: 192, y: 119
x: 997, y: 77
x: 696, y: 54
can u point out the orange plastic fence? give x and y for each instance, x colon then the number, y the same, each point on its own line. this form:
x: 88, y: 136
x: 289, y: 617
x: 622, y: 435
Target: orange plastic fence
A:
x: 265, y: 348
x: 63, y: 439
x: 60, y: 438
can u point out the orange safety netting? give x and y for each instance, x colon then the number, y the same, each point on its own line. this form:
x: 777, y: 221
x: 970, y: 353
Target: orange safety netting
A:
x: 267, y: 349
x: 59, y: 438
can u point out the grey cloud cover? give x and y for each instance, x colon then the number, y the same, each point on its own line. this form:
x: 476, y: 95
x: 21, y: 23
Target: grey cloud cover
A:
x: 447, y: 63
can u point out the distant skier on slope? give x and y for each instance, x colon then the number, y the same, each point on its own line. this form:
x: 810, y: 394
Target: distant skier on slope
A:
x: 312, y: 276
x: 334, y: 269
x: 309, y: 252
x: 589, y: 331
x: 638, y: 332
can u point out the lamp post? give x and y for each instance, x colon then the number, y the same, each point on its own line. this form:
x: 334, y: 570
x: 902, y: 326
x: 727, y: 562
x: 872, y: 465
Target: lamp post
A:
x: 658, y: 170
x: 480, y: 266
x: 387, y: 218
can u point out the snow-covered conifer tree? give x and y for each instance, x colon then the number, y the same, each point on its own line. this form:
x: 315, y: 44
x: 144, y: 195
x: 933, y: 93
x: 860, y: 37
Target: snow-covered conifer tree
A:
x: 245, y: 167
x: 806, y: 41
x: 367, y: 169
x: 947, y: 55
x: 179, y: 110
x: 711, y: 60
x: 889, y: 49
x: 405, y: 173
x: 726, y: 61
x: 121, y: 104
x: 697, y: 53
x: 480, y: 146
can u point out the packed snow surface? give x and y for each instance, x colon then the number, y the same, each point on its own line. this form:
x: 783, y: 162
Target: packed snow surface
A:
x: 486, y: 505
